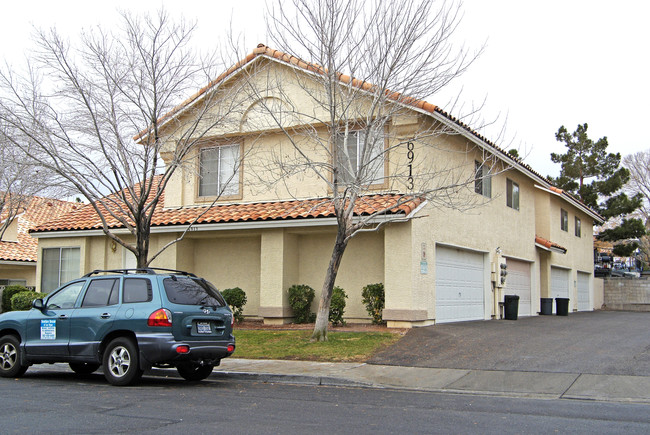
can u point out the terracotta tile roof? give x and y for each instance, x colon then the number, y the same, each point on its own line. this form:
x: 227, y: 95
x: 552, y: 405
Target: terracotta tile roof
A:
x: 549, y: 245
x: 38, y: 211
x: 86, y: 218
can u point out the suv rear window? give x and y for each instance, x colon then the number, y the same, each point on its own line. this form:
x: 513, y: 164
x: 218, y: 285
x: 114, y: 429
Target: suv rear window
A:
x: 184, y: 290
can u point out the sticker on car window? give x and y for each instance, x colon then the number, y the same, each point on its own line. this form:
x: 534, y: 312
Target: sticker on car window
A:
x: 48, y: 329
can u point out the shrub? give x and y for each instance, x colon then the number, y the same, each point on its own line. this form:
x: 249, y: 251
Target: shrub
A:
x: 236, y: 299
x: 300, y: 298
x: 8, y: 292
x: 337, y: 306
x: 373, y: 298
x: 23, y: 301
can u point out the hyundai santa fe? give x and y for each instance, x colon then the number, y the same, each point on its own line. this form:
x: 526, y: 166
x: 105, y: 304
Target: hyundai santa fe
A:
x: 126, y: 321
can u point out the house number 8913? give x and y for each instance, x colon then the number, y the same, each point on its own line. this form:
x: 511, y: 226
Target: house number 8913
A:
x: 410, y: 156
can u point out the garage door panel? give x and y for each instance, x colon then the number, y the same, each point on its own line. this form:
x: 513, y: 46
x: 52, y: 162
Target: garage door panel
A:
x: 519, y: 283
x: 459, y: 285
x: 559, y: 284
x: 584, y: 284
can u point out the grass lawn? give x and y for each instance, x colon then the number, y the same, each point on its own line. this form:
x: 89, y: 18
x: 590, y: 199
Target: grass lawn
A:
x: 295, y: 345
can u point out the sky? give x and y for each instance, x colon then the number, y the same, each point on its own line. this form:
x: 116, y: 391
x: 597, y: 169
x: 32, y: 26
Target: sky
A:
x: 545, y: 64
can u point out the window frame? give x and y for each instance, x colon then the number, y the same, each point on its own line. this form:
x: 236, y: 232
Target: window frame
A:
x: 61, y: 278
x: 564, y: 220
x: 512, y: 200
x: 237, y: 178
x: 383, y: 155
x: 482, y: 179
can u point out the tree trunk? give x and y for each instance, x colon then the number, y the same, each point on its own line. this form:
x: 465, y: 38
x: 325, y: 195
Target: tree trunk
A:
x: 322, y: 316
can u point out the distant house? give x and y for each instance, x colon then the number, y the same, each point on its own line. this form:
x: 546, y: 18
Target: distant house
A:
x: 18, y: 250
x: 444, y: 266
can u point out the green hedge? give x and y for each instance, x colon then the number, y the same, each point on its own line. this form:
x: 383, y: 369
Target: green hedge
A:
x: 23, y: 301
x: 300, y: 298
x: 7, y: 294
x: 373, y: 298
x: 337, y: 306
x: 236, y: 299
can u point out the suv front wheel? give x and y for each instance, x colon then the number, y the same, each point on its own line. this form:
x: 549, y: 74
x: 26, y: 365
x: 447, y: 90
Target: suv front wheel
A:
x: 121, y: 363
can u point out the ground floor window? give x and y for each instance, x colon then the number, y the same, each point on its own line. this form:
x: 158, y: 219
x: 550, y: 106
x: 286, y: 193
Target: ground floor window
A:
x: 7, y: 282
x: 60, y: 265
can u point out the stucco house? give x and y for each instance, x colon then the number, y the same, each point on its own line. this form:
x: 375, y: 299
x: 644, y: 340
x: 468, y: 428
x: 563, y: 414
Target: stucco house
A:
x: 437, y: 264
x: 18, y: 250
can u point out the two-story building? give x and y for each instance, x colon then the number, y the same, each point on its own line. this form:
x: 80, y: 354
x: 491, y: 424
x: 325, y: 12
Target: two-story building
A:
x: 438, y: 264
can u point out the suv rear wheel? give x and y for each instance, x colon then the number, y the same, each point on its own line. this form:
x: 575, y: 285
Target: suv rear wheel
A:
x: 10, y: 357
x: 121, y: 363
x: 194, y: 372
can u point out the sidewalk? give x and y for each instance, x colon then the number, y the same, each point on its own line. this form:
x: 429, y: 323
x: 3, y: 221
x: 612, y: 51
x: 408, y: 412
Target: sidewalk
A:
x: 503, y: 383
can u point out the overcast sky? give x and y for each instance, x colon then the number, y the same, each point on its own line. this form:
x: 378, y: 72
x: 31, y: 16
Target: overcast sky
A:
x: 546, y: 64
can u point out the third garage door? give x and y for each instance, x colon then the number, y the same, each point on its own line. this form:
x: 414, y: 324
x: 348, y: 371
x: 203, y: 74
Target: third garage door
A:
x: 459, y: 285
x: 559, y: 284
x: 518, y: 283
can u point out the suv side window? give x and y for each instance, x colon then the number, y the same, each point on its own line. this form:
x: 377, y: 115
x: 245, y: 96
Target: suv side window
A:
x: 136, y: 290
x: 66, y: 297
x: 101, y: 292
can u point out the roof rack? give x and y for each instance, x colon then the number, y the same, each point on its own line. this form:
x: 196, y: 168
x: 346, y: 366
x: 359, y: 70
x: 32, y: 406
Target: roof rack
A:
x: 145, y: 270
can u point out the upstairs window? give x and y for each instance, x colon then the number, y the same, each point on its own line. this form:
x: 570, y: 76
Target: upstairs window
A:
x: 482, y: 179
x: 219, y: 171
x: 564, y: 220
x: 578, y: 227
x: 512, y: 194
x: 360, y: 158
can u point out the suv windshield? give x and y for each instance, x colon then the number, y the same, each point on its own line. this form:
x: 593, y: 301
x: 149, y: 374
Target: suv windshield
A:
x: 184, y: 290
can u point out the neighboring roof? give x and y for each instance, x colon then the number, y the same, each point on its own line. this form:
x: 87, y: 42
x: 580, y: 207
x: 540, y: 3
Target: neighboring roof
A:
x: 38, y: 211
x: 263, y: 51
x: 86, y: 219
x: 547, y: 245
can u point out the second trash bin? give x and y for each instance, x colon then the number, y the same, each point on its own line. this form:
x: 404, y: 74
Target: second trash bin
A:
x: 546, y: 306
x: 562, y: 306
x: 511, y: 306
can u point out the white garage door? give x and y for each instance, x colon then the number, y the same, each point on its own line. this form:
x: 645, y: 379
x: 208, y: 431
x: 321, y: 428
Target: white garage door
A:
x: 584, y: 303
x: 518, y: 283
x: 559, y: 284
x: 459, y: 285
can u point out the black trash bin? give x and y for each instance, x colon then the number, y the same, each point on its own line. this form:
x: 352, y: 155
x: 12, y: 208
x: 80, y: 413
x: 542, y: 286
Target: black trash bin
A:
x: 511, y: 306
x: 562, y: 306
x: 546, y: 306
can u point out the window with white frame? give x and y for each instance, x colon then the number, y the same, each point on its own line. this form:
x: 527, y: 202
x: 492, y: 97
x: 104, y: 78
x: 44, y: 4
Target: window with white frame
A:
x: 361, y: 157
x: 482, y: 179
x: 59, y: 265
x: 578, y: 230
x: 219, y: 171
x: 512, y: 194
x: 564, y: 220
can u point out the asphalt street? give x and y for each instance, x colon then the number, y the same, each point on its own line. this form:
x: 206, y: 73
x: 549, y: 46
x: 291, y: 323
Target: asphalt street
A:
x: 52, y: 401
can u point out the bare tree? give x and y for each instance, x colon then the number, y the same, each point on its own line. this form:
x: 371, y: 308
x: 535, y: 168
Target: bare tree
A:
x: 361, y: 67
x: 639, y: 166
x: 99, y: 114
x: 20, y: 180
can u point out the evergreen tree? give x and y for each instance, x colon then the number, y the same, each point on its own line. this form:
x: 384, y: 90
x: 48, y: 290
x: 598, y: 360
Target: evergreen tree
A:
x: 596, y: 178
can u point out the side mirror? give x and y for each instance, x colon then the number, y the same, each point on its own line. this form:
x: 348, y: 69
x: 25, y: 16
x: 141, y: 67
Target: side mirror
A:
x: 38, y: 304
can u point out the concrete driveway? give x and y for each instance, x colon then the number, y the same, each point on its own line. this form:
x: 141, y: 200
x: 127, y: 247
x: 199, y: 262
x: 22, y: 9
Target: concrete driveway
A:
x: 599, y: 342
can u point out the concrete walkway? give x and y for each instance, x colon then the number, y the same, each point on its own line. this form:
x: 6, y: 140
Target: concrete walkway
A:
x: 619, y: 388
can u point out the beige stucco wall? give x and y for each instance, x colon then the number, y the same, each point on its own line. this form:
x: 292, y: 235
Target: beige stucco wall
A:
x: 25, y: 272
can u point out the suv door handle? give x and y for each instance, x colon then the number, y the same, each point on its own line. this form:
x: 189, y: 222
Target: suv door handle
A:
x: 63, y: 316
x: 105, y: 315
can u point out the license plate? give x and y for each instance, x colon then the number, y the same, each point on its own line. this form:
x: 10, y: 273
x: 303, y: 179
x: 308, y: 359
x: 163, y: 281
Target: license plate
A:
x: 203, y: 328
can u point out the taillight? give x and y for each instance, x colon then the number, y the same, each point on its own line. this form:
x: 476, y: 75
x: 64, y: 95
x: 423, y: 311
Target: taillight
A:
x: 161, y: 317
x: 231, y: 348
x: 182, y: 349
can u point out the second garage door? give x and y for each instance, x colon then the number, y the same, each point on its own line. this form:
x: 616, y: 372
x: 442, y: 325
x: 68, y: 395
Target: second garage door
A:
x: 559, y: 284
x: 584, y: 302
x: 459, y: 285
x: 518, y: 283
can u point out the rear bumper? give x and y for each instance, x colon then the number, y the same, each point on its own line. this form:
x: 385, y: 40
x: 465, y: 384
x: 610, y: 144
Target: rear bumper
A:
x: 160, y: 348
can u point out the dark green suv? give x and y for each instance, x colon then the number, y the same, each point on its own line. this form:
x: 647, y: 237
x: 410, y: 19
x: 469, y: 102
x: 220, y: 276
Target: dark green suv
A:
x: 126, y: 321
